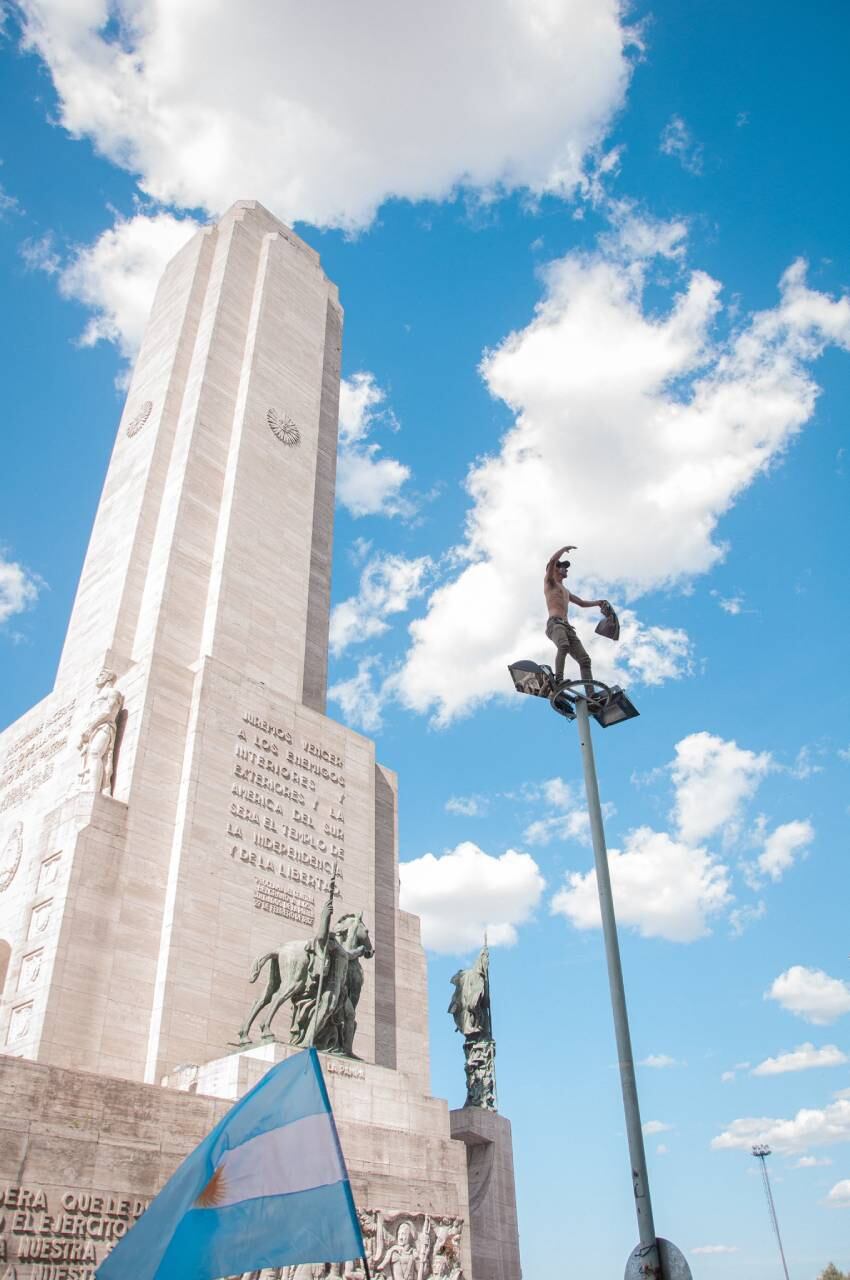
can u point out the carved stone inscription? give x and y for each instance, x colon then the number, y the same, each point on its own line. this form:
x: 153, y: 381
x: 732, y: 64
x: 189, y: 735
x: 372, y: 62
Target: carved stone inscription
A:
x: 30, y: 760
x: 65, y: 1237
x: 281, y: 901
x: 286, y: 816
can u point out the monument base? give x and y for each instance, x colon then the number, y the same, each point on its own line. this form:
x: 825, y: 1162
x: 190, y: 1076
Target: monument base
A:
x: 494, y: 1231
x: 81, y: 1155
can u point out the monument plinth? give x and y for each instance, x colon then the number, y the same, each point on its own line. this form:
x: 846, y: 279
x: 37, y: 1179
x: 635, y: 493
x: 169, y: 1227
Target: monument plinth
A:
x: 173, y: 811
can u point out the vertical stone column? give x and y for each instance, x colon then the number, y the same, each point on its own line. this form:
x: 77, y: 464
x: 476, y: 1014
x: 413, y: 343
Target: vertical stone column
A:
x: 492, y: 1192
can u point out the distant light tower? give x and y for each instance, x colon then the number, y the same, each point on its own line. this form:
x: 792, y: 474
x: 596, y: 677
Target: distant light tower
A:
x: 761, y: 1151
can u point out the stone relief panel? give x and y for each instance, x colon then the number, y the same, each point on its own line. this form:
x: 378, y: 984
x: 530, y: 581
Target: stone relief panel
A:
x: 10, y: 855
x: 399, y: 1246
x: 30, y: 969
x: 20, y: 1022
x: 49, y: 872
x: 40, y: 919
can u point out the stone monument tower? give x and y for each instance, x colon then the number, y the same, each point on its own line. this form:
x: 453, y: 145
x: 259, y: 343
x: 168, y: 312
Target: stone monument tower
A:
x: 174, y: 810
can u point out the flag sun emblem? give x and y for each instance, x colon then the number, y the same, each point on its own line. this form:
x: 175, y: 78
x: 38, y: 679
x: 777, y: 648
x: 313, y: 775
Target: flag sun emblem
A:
x: 213, y: 1192
x: 283, y: 427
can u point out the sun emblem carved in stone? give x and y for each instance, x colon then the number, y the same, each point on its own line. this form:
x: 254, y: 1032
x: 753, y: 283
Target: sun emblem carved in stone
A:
x: 135, y: 425
x: 284, y: 428
x: 10, y: 856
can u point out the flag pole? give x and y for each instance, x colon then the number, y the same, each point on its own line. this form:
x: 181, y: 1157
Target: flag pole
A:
x: 324, y: 958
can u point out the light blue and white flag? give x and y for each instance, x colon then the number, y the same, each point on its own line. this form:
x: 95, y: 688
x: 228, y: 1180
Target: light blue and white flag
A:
x: 267, y: 1188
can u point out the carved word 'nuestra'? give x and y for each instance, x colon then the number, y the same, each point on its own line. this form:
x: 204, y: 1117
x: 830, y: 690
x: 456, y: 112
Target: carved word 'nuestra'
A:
x: 80, y: 1232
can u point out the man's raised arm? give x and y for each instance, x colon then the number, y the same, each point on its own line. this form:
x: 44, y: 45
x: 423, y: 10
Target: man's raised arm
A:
x: 553, y: 560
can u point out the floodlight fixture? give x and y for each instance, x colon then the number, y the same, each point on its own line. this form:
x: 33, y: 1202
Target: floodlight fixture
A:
x: 530, y: 677
x: 613, y: 709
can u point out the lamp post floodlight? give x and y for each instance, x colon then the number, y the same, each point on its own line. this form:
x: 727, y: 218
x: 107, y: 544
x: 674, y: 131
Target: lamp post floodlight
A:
x: 654, y: 1258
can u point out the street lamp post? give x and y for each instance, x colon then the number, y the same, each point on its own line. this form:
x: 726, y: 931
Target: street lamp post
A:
x: 654, y: 1258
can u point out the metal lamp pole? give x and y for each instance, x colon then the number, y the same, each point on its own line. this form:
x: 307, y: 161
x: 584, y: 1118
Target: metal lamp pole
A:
x: 654, y: 1258
x: 647, y: 1251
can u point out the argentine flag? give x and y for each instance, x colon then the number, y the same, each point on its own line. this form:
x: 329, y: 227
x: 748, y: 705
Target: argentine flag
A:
x: 267, y: 1188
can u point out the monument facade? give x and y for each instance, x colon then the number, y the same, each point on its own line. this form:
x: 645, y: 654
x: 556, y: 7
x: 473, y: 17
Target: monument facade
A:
x: 176, y: 814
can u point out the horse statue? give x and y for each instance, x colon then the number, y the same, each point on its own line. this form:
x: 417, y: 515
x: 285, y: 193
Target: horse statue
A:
x: 323, y: 1017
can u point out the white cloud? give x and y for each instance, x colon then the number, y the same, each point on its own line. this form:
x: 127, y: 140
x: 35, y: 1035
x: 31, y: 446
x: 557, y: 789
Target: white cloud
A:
x: 116, y: 276
x: 361, y: 703
x: 467, y: 806
x: 727, y: 1076
x: 565, y: 826
x: 782, y: 847
x: 741, y: 917
x: 803, y: 1058
x: 811, y: 1127
x: 731, y: 604
x: 680, y: 425
x: 19, y: 588
x: 662, y: 887
x: 570, y: 821
x: 41, y: 255
x: 678, y: 141
x: 811, y: 994
x: 8, y: 204
x: 660, y: 1061
x: 662, y: 1149
x: 388, y: 584
x: 655, y: 1126
x: 323, y: 116
x: 839, y: 1196
x: 713, y: 777
x: 465, y: 892
x: 811, y: 1162
x: 715, y: 1248
x: 367, y: 483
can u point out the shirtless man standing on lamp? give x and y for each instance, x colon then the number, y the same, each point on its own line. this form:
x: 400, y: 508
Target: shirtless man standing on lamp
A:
x: 558, y: 629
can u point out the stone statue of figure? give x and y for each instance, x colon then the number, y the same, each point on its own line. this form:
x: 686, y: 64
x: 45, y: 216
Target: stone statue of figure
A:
x: 470, y: 1008
x: 400, y: 1262
x: 97, y: 742
x: 470, y: 1004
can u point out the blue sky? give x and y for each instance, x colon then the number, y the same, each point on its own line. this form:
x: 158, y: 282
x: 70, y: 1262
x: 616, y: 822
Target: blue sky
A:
x: 570, y: 242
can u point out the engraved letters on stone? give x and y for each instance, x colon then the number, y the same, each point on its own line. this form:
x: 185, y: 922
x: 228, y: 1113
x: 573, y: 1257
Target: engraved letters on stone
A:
x: 283, y: 427
x: 136, y: 424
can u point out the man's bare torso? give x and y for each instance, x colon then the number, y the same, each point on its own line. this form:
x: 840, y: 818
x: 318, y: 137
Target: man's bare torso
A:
x: 557, y: 598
